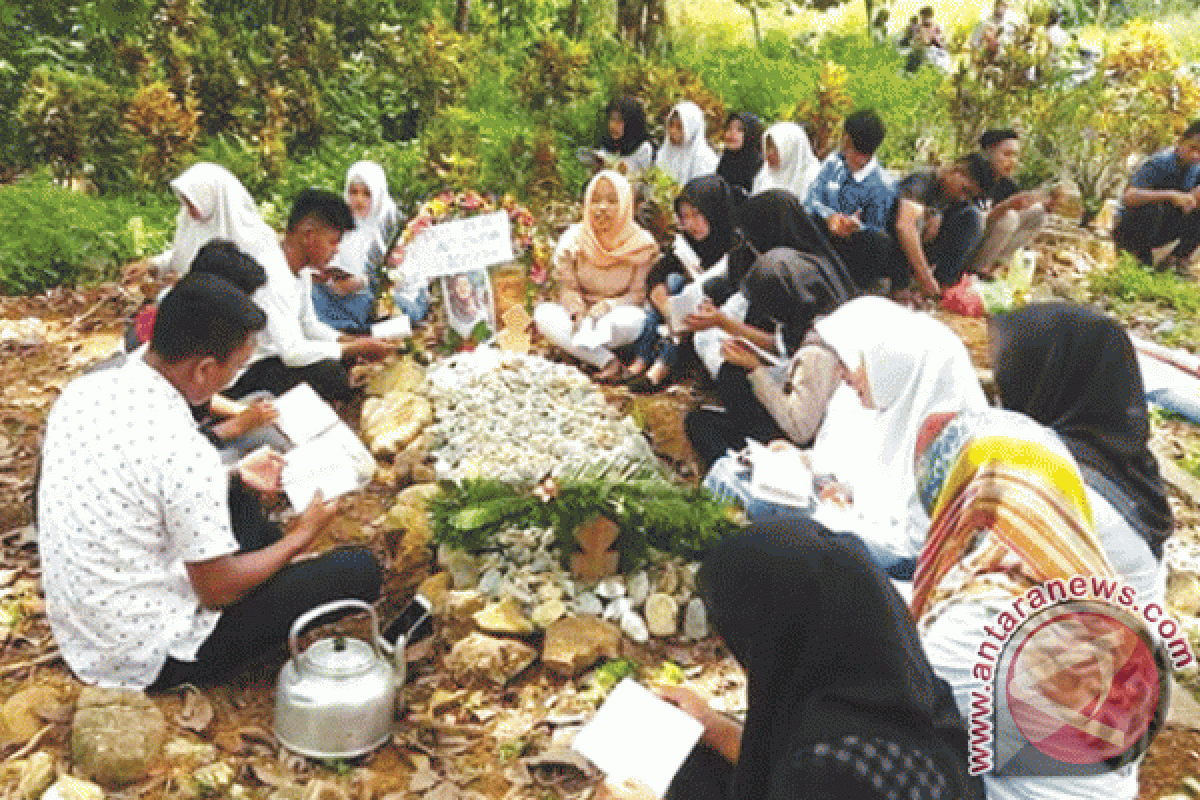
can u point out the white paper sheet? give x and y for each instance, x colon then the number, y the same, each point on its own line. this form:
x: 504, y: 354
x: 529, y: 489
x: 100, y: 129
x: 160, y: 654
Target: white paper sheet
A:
x: 303, y: 414
x: 680, y: 306
x: 637, y: 734
x: 332, y: 462
x: 398, y: 327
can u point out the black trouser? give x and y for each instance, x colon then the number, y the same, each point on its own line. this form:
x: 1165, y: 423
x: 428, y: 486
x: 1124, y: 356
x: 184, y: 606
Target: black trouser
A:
x: 260, y: 621
x: 961, y: 231
x: 713, y: 433
x: 328, y: 378
x: 1143, y: 228
x: 705, y: 775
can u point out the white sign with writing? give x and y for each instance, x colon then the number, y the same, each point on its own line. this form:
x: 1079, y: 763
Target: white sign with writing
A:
x: 460, y: 246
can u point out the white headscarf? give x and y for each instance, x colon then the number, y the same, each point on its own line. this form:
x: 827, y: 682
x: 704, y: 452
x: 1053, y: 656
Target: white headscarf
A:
x: 365, y: 246
x: 915, y: 367
x: 226, y: 212
x: 797, y: 164
x: 693, y: 157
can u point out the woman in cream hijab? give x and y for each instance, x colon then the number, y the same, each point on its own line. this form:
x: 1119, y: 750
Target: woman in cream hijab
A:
x: 789, y: 162
x: 685, y: 154
x: 215, y: 205
x: 601, y: 265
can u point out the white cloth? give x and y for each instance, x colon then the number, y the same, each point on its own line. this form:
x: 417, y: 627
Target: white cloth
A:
x: 226, y: 212
x: 915, y: 367
x: 797, y: 164
x: 365, y: 247
x: 130, y: 492
x: 693, y: 157
x: 294, y: 332
x: 554, y: 323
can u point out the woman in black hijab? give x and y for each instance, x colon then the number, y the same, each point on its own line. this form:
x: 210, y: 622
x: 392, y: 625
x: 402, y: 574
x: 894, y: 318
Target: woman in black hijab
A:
x: 623, y: 134
x: 742, y: 157
x: 789, y: 274
x: 841, y: 700
x: 1074, y: 369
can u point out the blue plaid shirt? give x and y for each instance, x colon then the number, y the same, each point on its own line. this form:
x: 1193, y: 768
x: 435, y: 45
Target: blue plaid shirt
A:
x: 836, y: 188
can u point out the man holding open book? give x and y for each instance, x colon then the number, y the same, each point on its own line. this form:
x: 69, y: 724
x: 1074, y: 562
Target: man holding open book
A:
x: 147, y: 580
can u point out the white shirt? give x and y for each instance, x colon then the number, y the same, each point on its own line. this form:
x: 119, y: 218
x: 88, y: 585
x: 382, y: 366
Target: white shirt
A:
x: 294, y: 332
x: 130, y: 492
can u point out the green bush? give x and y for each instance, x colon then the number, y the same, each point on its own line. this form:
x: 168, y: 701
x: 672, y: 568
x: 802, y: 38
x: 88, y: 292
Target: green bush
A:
x: 78, y: 237
x: 73, y: 124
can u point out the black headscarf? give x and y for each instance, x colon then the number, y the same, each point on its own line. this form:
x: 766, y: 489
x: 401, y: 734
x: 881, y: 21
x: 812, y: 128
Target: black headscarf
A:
x: 793, y: 288
x: 631, y: 111
x: 713, y: 198
x: 830, y: 651
x: 1074, y: 369
x: 738, y: 167
x: 777, y: 218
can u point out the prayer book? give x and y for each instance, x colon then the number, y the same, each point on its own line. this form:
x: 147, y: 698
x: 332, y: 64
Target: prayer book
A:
x: 326, y: 455
x: 637, y: 734
x: 397, y: 327
x: 683, y: 304
x: 780, y: 475
x: 769, y: 358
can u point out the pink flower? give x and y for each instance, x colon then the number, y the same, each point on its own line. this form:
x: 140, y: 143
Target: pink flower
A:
x: 538, y: 273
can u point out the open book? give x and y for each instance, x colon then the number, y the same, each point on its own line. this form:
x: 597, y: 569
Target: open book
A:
x: 326, y: 455
x: 683, y: 304
x: 637, y: 734
x: 780, y: 475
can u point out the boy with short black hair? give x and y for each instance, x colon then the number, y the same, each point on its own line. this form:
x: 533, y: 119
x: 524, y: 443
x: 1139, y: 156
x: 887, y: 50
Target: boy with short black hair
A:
x: 297, y: 346
x: 1160, y: 204
x: 851, y: 200
x: 148, y: 577
x: 936, y: 224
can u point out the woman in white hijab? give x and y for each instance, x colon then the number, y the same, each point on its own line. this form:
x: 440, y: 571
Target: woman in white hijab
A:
x: 215, y: 205
x: 904, y: 366
x: 345, y: 299
x: 788, y: 163
x: 685, y: 154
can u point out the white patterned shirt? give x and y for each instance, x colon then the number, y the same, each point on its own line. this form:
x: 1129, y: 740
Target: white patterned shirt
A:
x: 130, y: 492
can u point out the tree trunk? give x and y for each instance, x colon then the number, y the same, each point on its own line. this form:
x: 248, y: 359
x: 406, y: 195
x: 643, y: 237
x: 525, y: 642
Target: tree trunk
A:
x: 655, y: 24
x: 462, y: 13
x: 869, y: 6
x: 574, y: 23
x: 754, y: 22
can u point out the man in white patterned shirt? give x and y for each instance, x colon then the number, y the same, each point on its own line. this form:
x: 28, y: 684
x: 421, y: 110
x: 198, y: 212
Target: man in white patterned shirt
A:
x: 145, y: 580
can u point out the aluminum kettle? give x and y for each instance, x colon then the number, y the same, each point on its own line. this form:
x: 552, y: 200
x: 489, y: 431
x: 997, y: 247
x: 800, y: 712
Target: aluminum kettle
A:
x: 337, y: 698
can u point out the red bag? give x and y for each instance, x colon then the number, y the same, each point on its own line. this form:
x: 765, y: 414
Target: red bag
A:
x: 963, y: 299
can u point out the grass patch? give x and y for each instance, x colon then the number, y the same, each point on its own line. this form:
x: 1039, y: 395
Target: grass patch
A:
x: 54, y: 236
x: 1129, y: 285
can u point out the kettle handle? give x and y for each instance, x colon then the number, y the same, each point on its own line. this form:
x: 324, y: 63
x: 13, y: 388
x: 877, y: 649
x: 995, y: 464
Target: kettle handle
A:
x: 305, y: 619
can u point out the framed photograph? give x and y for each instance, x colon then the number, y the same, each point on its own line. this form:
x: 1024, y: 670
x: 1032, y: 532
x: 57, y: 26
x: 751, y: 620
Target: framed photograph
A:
x: 468, y: 298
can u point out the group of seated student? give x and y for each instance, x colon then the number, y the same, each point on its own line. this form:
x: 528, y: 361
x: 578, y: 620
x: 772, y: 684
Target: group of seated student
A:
x: 931, y: 227
x: 296, y: 346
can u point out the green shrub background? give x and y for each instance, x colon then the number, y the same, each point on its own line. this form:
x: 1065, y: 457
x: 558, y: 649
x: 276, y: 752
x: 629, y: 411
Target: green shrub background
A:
x: 288, y: 95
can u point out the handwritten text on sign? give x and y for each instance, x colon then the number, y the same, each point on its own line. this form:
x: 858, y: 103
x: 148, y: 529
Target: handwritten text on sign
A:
x: 460, y: 246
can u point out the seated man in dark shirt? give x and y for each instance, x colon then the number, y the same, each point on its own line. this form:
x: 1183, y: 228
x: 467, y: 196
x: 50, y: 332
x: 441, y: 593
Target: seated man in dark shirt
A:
x: 1160, y: 204
x: 937, y: 224
x: 1014, y: 217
